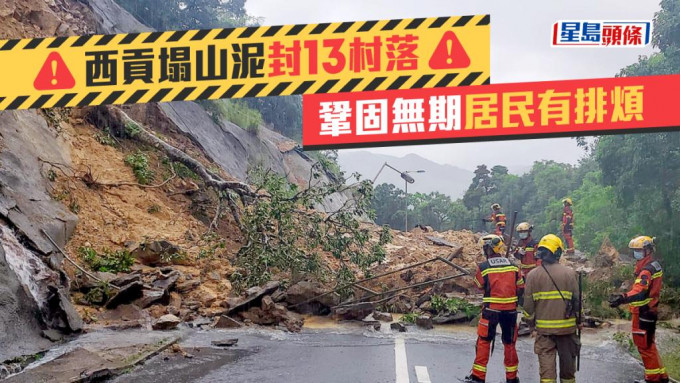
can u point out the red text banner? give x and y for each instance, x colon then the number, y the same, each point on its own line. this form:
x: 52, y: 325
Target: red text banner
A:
x: 491, y: 112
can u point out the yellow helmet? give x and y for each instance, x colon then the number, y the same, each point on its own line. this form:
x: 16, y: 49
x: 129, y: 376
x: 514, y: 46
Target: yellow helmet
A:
x: 493, y: 241
x: 524, y: 226
x: 567, y: 201
x: 552, y: 243
x: 642, y: 242
x: 496, y: 206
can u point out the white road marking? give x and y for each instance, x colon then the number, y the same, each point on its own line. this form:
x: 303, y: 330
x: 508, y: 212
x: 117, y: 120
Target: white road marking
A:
x: 400, y: 360
x: 422, y: 374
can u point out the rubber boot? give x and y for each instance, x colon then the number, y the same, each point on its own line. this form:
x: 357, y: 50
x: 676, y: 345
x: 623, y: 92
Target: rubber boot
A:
x: 516, y: 380
x: 472, y: 379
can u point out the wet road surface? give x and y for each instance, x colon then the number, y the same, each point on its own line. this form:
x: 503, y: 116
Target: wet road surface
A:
x: 354, y: 354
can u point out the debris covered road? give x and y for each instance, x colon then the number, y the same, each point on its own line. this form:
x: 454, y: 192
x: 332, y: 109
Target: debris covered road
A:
x: 352, y: 353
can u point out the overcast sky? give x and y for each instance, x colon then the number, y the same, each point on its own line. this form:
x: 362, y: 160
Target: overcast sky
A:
x: 520, y: 51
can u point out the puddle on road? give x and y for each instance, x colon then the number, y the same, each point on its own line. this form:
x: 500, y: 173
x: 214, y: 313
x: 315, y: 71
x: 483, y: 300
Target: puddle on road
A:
x: 174, y: 368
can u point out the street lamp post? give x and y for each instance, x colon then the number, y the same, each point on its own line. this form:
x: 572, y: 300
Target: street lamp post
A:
x: 407, y: 180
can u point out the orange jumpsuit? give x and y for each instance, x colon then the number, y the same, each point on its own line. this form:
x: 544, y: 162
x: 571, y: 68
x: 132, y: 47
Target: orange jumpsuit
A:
x: 567, y: 227
x: 528, y: 261
x: 643, y: 300
x: 502, y: 284
x: 498, y: 218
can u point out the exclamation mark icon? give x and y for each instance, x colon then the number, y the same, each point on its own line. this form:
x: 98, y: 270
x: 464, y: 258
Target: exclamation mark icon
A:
x: 54, y: 72
x: 449, y: 52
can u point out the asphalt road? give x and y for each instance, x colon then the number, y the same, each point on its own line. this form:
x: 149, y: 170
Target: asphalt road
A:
x: 358, y: 355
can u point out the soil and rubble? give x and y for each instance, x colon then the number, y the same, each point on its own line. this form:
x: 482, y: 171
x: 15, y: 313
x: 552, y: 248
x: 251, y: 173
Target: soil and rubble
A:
x: 68, y: 177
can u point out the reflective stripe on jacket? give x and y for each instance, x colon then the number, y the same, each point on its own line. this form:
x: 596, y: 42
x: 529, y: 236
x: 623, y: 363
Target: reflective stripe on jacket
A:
x: 501, y: 281
x: 528, y: 260
x: 644, y: 295
x: 544, y: 304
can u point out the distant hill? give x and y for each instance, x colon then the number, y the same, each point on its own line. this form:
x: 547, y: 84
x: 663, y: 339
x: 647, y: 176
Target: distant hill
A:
x: 446, y: 179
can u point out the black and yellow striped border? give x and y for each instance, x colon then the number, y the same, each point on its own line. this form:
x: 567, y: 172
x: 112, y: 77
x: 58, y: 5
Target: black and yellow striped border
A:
x: 232, y: 88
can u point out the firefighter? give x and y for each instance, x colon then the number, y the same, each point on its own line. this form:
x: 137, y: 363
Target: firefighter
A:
x: 525, y: 250
x: 502, y: 284
x: 498, y: 218
x: 643, y: 300
x: 568, y: 224
x: 551, y: 305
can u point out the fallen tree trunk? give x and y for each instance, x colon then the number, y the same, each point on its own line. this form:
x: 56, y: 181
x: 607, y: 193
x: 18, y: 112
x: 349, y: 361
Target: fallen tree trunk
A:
x: 211, y: 179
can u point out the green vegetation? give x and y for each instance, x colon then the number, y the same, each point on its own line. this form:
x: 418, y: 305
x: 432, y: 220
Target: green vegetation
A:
x: 111, y: 261
x: 671, y: 360
x: 328, y: 159
x: 409, y: 318
x: 139, y: 162
x: 235, y: 111
x: 283, y: 235
x: 105, y: 138
x: 624, y: 340
x: 627, y: 185
x: 166, y: 15
x: 454, y: 305
x: 153, y: 209
x: 132, y: 129
x: 99, y: 294
x: 74, y: 206
x: 283, y: 113
x: 597, y: 292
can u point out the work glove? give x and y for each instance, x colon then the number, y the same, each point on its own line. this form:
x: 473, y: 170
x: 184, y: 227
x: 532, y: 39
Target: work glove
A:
x: 616, y: 300
x: 521, y: 251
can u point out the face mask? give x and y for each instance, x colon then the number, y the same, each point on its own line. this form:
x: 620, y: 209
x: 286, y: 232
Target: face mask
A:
x: 638, y: 254
x: 523, y: 235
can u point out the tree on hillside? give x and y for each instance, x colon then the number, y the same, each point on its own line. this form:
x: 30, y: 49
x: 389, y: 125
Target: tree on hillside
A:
x: 481, y: 184
x: 388, y: 203
x: 643, y: 169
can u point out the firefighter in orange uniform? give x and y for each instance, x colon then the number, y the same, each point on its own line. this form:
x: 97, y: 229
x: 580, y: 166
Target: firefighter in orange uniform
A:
x: 526, y: 248
x: 502, y: 284
x: 643, y: 300
x: 568, y: 224
x: 498, y: 218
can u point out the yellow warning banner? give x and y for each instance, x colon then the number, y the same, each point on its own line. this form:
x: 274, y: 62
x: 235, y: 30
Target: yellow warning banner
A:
x: 244, y: 62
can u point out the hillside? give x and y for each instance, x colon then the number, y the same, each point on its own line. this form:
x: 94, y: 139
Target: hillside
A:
x: 446, y: 179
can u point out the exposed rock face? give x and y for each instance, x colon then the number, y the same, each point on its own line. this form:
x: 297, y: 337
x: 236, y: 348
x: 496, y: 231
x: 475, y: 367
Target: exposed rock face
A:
x: 19, y: 326
x: 231, y: 147
x: 111, y: 18
x: 26, y: 139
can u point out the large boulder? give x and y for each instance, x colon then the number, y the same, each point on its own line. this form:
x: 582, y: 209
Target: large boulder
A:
x: 308, y: 298
x: 155, y: 253
x: 270, y: 313
x: 357, y: 311
x: 166, y: 322
x: 254, y: 297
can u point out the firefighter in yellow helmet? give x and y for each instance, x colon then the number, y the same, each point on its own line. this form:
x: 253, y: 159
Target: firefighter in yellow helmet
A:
x: 526, y: 248
x: 551, y: 305
x: 643, y: 300
x: 498, y: 218
x: 502, y: 284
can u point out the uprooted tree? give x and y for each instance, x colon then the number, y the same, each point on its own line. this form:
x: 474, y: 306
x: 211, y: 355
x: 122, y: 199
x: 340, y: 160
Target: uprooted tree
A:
x: 283, y: 232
